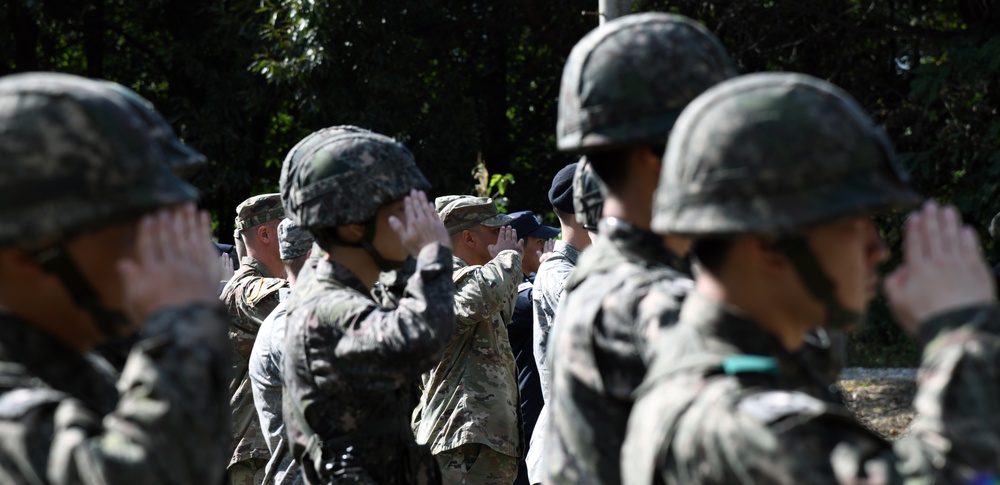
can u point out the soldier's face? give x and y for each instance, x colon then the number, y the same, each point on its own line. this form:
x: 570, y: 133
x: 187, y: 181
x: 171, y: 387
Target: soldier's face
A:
x: 850, y: 250
x: 532, y: 246
x: 485, y: 237
x: 386, y: 241
x: 97, y: 255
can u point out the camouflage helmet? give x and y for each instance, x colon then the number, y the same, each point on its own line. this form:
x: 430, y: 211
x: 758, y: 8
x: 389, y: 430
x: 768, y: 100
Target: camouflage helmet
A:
x: 770, y: 153
x: 625, y: 82
x: 342, y: 175
x: 588, y: 195
x: 78, y: 154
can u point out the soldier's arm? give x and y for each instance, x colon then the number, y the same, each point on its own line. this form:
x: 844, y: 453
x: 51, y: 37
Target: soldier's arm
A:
x: 387, y: 345
x: 260, y: 296
x: 484, y: 290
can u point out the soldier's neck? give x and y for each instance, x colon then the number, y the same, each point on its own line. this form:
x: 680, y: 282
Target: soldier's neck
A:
x: 358, y: 262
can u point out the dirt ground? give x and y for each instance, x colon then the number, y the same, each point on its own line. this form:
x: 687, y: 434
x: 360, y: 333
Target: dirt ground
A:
x: 884, y: 405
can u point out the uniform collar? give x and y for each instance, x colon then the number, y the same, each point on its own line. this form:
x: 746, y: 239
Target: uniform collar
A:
x: 251, y: 265
x: 726, y: 331
x: 638, y: 245
x: 60, y: 367
x: 330, y: 270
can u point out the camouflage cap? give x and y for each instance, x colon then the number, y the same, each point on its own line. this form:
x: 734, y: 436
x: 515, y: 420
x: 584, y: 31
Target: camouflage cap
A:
x: 626, y: 81
x: 343, y: 174
x: 461, y: 212
x: 294, y: 241
x: 78, y: 154
x: 588, y: 195
x: 772, y: 153
x: 258, y: 210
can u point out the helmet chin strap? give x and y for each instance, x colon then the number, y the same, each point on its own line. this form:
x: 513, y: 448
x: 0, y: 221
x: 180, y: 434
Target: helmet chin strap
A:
x: 55, y: 260
x: 818, y: 283
x: 365, y: 243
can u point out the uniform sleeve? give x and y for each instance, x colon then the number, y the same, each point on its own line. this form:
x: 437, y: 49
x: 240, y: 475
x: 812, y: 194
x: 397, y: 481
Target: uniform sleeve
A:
x: 171, y: 424
x: 485, y: 290
x: 385, y: 347
x: 787, y: 437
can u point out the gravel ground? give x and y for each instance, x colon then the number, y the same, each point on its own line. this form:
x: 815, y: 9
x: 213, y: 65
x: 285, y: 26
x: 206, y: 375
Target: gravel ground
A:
x: 882, y: 399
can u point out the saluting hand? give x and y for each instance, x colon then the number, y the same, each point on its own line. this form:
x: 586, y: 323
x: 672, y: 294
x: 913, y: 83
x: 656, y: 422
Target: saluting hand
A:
x: 506, y: 240
x: 943, y: 268
x: 175, y: 263
x: 422, y: 227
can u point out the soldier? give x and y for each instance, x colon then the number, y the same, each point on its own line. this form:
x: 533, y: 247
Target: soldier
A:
x: 579, y: 229
x: 776, y: 176
x: 251, y: 295
x: 538, y: 245
x: 551, y: 277
x: 98, y: 239
x: 622, y: 88
x: 469, y: 412
x: 352, y: 357
x: 265, y: 358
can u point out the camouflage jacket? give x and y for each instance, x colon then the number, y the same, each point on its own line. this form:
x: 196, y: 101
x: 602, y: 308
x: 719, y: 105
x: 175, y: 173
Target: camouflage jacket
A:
x: 250, y: 296
x: 623, y: 290
x: 724, y: 403
x: 550, y: 281
x: 351, y: 364
x: 62, y: 421
x: 471, y: 395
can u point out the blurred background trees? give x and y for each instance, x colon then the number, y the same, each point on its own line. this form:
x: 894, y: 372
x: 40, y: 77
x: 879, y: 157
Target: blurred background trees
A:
x: 467, y: 81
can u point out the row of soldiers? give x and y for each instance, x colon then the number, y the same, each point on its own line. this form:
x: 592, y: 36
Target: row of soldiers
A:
x: 395, y: 363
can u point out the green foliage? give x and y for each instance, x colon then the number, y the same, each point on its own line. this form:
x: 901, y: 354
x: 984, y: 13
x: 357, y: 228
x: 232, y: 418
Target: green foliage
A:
x: 460, y: 82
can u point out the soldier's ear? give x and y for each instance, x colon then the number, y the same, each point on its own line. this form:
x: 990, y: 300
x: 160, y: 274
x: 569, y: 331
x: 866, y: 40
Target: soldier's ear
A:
x: 468, y: 239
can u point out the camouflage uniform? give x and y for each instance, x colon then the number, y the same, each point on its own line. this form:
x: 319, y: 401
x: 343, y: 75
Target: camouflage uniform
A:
x: 352, y: 356
x: 626, y: 286
x: 250, y: 296
x: 77, y: 155
x: 469, y: 408
x: 265, y: 363
x: 722, y: 403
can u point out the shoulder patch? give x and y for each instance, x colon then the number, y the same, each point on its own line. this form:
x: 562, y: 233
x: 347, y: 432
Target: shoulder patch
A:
x: 263, y: 288
x: 770, y: 406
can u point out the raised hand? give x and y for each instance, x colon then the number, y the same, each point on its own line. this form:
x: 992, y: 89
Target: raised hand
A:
x: 175, y: 263
x: 506, y: 240
x: 422, y: 227
x: 227, y: 267
x: 943, y: 268
x: 546, y: 251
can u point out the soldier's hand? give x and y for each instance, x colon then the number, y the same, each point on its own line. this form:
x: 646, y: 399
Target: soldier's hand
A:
x: 506, y: 240
x: 227, y: 267
x: 422, y: 227
x: 175, y: 263
x: 546, y: 251
x: 943, y: 268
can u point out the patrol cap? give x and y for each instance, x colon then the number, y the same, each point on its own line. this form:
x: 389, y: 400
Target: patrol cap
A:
x: 461, y: 212
x: 258, y: 210
x: 77, y: 154
x: 293, y: 241
x: 526, y: 224
x: 561, y: 191
x: 772, y: 153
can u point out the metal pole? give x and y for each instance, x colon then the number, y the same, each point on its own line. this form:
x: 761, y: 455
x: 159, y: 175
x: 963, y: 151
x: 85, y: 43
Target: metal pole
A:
x: 610, y: 9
